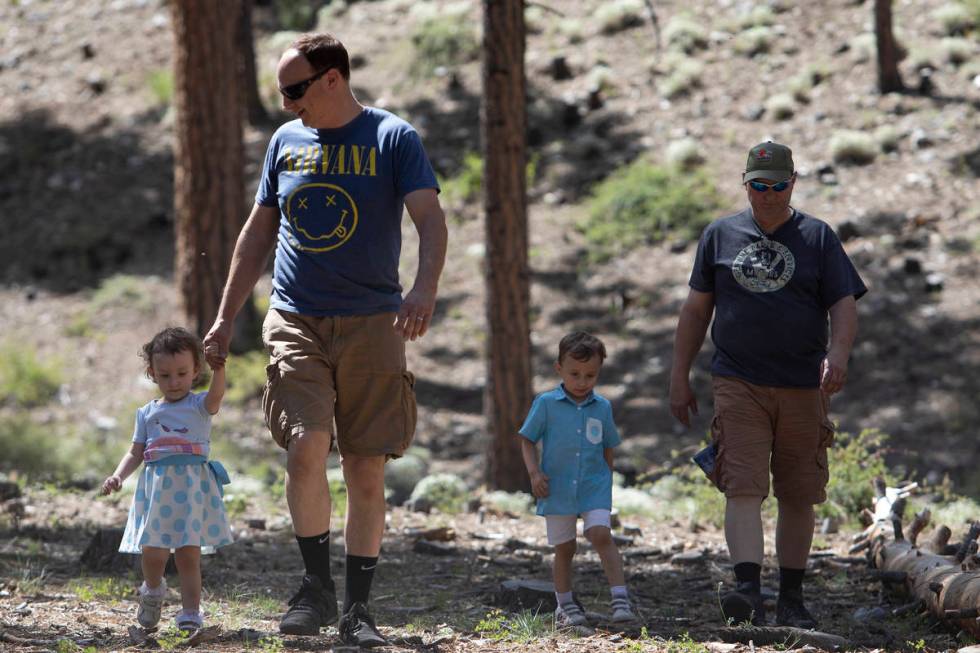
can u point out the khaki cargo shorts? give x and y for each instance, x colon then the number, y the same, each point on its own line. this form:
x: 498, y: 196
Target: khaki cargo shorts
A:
x: 760, y: 428
x: 347, y: 370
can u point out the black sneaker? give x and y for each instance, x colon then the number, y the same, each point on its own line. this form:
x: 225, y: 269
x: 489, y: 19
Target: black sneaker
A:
x: 357, y: 628
x: 313, y: 606
x: 790, y: 611
x: 742, y: 605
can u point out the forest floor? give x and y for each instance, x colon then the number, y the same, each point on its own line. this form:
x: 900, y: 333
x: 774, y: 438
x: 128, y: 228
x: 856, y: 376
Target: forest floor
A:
x: 86, y: 277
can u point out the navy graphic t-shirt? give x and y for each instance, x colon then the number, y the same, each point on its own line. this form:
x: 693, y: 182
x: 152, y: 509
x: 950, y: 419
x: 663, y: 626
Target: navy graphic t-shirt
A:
x: 340, y: 194
x: 772, y: 294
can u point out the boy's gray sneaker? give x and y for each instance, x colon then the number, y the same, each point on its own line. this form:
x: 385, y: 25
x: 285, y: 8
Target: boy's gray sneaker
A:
x: 570, y: 614
x: 744, y: 604
x: 150, y: 604
x: 622, y: 610
x: 314, y: 605
x: 357, y: 628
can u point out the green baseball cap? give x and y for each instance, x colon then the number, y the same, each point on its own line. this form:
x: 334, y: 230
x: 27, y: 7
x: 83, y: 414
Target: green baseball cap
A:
x: 769, y: 161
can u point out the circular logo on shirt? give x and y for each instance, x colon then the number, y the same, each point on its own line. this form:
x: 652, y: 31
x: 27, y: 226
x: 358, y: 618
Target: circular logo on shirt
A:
x: 764, y: 266
x: 323, y: 217
x: 593, y: 430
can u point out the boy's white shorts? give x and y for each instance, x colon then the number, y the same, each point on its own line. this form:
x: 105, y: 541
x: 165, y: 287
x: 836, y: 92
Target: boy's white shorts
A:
x: 561, y: 528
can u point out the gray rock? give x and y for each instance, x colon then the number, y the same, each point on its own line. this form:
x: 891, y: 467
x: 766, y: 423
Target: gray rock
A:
x: 868, y: 615
x: 688, y: 558
x: 753, y: 112
x: 518, y: 595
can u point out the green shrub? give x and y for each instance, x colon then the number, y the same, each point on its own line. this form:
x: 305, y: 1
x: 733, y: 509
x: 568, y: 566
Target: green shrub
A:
x: 684, y: 76
x: 516, y: 503
x: 955, y: 18
x: 753, y: 41
x: 107, y: 588
x: 685, y: 33
x: 759, y: 16
x: 685, y: 153
x: 30, y: 449
x: 781, y: 106
x: 444, y: 41
x: 888, y: 137
x: 246, y: 376
x: 643, y: 203
x: 853, y: 147
x: 161, y: 83
x: 523, y: 627
x: 467, y: 185
x: 25, y: 380
x: 958, y: 50
x: 123, y: 291
x: 447, y: 492
x: 803, y: 82
x: 298, y: 15
x: 619, y: 15
x: 854, y: 461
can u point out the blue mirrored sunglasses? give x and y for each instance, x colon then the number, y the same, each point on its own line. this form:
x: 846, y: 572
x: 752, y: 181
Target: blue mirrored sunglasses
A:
x: 760, y: 187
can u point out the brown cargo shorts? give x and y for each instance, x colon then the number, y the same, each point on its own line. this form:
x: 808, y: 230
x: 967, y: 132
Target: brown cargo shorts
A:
x: 346, y: 370
x: 761, y: 428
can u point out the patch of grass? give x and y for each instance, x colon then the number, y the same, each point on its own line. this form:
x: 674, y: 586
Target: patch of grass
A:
x: 684, y: 76
x: 888, y: 137
x: 100, y: 589
x: 123, y: 291
x: 853, y: 147
x: 643, y: 203
x: 683, y: 32
x: 172, y: 638
x: 25, y: 380
x: 803, y: 82
x: 444, y: 41
x: 467, y: 184
x: 685, y: 153
x: 521, y: 628
x: 619, y: 15
x: 161, y: 85
x: 69, y: 646
x: 80, y: 326
x: 246, y: 376
x: 32, y: 579
x: 295, y: 15
x: 759, y: 15
x: 30, y: 449
x: 683, y: 644
x: 854, y: 462
x: 517, y: 503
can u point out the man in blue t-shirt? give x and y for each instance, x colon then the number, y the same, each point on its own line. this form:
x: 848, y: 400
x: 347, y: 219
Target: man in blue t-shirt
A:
x: 330, y: 202
x: 770, y: 275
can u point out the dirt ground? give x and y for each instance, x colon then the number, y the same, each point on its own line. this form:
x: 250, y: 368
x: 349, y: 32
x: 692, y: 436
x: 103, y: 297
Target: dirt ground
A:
x: 86, y: 188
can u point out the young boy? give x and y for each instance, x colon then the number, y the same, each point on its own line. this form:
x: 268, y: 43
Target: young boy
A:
x: 578, y: 434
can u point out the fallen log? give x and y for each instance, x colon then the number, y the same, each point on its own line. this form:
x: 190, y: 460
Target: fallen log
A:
x: 786, y: 636
x: 934, y: 573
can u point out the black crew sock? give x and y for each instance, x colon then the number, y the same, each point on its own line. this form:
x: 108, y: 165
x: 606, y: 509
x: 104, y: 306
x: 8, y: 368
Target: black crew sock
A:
x: 360, y: 573
x: 790, y: 579
x: 749, y: 572
x: 316, y: 556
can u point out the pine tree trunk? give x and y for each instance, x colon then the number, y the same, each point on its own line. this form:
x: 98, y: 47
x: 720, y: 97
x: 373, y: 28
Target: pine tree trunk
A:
x: 255, y: 113
x: 209, y: 204
x: 889, y: 79
x: 508, y: 392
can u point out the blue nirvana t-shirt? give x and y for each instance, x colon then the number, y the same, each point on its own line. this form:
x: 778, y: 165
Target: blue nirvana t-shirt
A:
x: 772, y: 294
x: 340, y: 194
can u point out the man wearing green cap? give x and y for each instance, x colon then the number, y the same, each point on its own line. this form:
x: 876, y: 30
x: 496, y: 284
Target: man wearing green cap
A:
x: 770, y: 274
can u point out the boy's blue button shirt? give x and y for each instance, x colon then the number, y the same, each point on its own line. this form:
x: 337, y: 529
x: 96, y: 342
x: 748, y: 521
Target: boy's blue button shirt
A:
x: 574, y: 437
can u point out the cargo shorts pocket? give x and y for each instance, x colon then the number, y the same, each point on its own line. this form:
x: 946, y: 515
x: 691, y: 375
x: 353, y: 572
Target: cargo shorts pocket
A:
x: 409, y: 408
x: 273, y: 410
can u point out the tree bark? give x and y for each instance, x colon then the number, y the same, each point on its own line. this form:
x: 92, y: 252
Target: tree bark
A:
x: 889, y: 79
x: 209, y: 203
x: 508, y: 391
x: 255, y: 113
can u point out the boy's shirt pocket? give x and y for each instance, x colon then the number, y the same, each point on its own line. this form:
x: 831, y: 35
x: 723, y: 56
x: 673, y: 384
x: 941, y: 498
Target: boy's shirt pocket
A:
x: 593, y: 430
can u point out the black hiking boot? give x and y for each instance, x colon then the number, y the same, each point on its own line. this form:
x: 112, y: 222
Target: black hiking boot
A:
x: 790, y: 611
x: 313, y: 606
x: 357, y: 628
x: 744, y: 604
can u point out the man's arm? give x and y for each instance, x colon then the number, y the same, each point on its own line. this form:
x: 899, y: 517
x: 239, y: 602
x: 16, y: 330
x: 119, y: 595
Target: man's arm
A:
x: 415, y: 314
x: 692, y: 325
x: 255, y: 242
x: 843, y: 331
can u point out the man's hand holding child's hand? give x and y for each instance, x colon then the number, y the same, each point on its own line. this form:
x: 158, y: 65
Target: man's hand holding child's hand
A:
x: 111, y: 484
x: 539, y: 484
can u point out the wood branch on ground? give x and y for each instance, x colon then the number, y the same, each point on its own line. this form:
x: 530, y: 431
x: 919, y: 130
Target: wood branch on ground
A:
x: 784, y: 635
x: 940, y: 577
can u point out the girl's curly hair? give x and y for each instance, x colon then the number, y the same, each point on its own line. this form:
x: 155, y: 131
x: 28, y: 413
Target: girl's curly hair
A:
x: 174, y: 340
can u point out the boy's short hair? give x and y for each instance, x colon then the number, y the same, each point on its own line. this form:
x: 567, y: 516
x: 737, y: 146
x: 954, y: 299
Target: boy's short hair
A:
x: 581, y: 346
x: 173, y: 340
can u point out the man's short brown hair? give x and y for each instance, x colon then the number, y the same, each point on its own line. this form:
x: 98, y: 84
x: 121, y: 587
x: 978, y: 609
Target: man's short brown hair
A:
x: 323, y: 51
x: 581, y: 346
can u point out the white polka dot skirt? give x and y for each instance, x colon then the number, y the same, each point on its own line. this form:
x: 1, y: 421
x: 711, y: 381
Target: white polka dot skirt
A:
x: 175, y: 506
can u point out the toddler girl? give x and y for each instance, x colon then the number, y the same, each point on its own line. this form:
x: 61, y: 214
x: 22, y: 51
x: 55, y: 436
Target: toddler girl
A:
x: 177, y: 506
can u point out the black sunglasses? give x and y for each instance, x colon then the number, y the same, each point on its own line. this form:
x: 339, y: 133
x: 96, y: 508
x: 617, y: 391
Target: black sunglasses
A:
x: 298, y: 90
